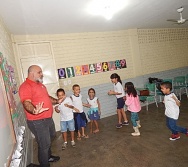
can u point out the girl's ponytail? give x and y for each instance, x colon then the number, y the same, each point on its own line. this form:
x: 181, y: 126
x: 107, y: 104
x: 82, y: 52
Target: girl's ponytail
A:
x: 119, y: 79
x: 115, y: 75
x: 130, y: 89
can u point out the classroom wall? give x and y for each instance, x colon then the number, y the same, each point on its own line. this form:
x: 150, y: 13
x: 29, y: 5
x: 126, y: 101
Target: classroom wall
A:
x: 6, y: 44
x: 146, y: 51
x: 163, y: 49
x: 87, y: 48
x: 6, y: 49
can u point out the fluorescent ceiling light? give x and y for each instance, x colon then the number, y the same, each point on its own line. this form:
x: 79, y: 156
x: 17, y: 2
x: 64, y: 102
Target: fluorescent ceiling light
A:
x: 106, y: 8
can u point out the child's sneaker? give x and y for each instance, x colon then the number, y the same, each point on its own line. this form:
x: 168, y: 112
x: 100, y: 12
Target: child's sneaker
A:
x: 187, y: 133
x: 73, y: 144
x: 64, y: 146
x: 125, y: 123
x: 118, y: 126
x: 174, y: 137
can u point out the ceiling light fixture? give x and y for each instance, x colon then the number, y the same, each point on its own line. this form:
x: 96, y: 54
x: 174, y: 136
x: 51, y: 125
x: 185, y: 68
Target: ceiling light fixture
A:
x: 106, y: 8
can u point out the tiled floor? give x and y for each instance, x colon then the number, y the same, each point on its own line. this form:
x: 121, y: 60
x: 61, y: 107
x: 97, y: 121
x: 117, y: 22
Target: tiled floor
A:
x: 113, y: 147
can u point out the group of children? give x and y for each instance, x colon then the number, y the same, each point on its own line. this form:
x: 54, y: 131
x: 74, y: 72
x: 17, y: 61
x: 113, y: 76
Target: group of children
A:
x: 132, y: 101
x: 73, y: 116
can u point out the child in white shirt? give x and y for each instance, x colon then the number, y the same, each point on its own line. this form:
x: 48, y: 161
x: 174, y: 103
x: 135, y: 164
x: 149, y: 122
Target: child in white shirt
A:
x: 172, y: 111
x: 79, y: 117
x: 119, y: 93
x: 66, y: 109
x: 94, y: 111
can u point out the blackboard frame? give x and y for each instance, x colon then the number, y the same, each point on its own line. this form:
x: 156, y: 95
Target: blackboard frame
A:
x: 6, y: 129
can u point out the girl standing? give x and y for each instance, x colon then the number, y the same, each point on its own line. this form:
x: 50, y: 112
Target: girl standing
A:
x: 119, y: 93
x: 94, y: 111
x: 133, y: 103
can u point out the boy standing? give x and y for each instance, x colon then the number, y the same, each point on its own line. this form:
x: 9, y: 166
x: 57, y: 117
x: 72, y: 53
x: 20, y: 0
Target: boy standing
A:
x: 80, y: 118
x: 172, y: 111
x: 66, y: 116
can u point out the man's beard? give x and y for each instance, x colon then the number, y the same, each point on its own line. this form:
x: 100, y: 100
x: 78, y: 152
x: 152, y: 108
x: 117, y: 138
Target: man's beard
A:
x: 40, y: 80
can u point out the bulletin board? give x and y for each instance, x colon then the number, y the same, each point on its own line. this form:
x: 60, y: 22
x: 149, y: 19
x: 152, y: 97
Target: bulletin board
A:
x: 10, y: 85
x: 7, y: 135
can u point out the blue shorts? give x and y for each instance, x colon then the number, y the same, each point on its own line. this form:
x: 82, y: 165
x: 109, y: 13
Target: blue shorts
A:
x: 120, y: 103
x: 67, y: 125
x: 80, y: 120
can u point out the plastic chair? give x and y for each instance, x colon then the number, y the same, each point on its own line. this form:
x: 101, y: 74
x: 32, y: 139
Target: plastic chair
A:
x: 152, y: 95
x: 186, y: 80
x: 169, y: 80
x: 179, y: 85
x: 160, y: 94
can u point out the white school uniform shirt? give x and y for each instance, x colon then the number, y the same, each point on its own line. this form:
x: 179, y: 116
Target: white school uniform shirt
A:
x: 93, y: 102
x: 119, y: 88
x: 171, y: 108
x: 66, y: 114
x: 77, y: 102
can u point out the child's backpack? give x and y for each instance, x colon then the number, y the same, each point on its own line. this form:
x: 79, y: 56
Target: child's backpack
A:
x: 157, y: 81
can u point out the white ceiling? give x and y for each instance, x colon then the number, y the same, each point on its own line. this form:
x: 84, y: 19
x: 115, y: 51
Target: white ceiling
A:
x: 70, y: 16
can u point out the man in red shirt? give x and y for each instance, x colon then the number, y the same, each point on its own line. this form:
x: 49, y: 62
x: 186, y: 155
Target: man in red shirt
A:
x: 38, y: 109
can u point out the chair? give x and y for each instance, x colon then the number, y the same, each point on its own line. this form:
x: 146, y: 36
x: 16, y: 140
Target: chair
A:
x: 186, y: 80
x: 152, y: 95
x: 169, y: 80
x: 179, y: 85
x: 160, y: 94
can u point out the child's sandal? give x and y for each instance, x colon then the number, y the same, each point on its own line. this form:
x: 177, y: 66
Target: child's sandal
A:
x: 95, y: 131
x: 79, y: 138
x: 85, y: 136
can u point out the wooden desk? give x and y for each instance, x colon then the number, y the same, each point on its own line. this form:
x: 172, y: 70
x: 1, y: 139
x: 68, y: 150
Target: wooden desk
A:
x: 142, y: 91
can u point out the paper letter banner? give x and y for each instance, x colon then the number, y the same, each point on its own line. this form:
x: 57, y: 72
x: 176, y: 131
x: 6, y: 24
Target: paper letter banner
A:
x: 70, y: 72
x: 105, y: 66
x: 117, y: 64
x: 99, y: 67
x: 78, y: 70
x: 85, y: 69
x: 123, y: 63
x: 61, y: 73
x: 8, y: 83
x: 12, y: 79
x: 92, y: 68
x: 111, y: 65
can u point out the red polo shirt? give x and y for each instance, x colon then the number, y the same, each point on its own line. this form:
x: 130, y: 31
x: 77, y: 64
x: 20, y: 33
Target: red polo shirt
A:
x: 37, y: 93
